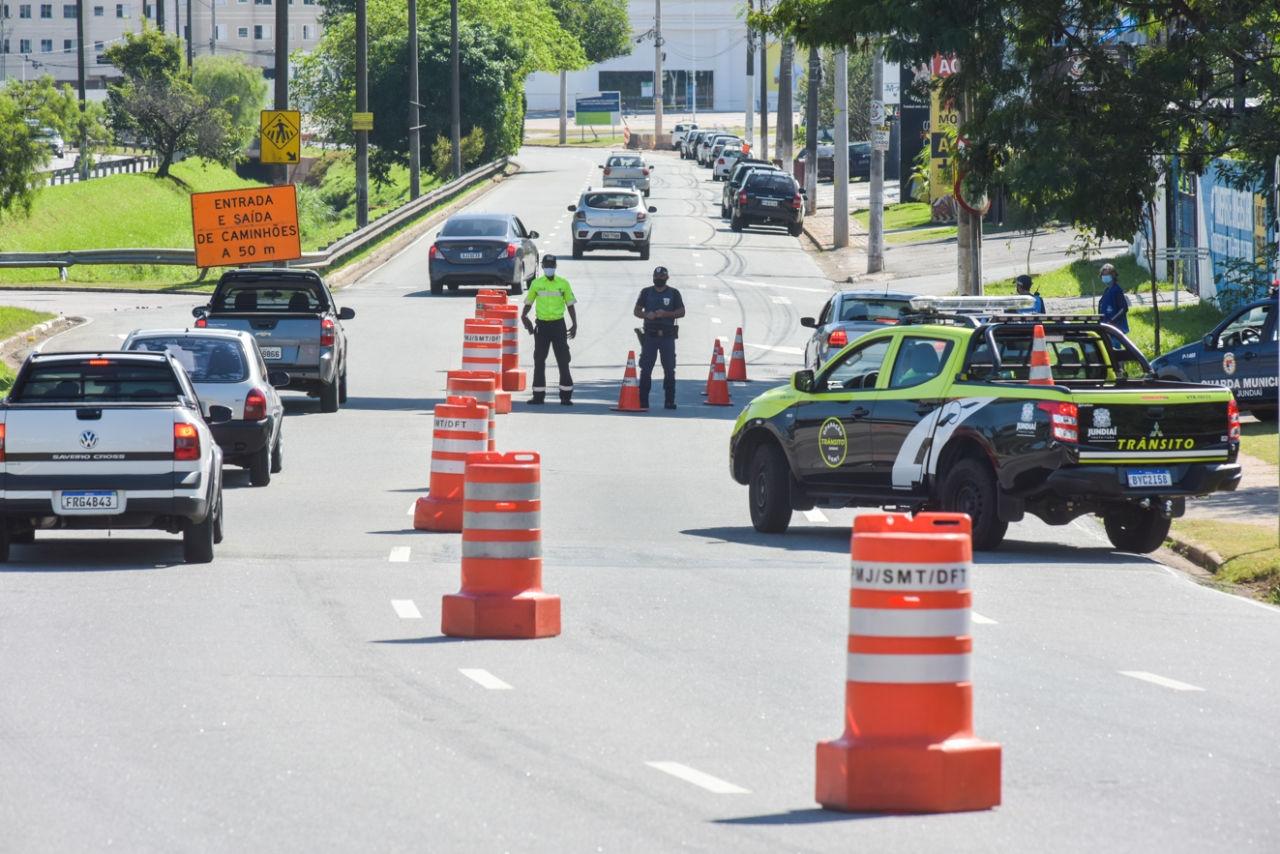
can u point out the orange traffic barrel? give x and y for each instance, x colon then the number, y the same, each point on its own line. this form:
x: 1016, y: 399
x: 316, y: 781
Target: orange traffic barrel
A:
x: 908, y: 744
x: 482, y: 351
x: 489, y: 296
x: 502, y: 595
x: 479, y: 385
x: 513, y: 379
x: 461, y: 428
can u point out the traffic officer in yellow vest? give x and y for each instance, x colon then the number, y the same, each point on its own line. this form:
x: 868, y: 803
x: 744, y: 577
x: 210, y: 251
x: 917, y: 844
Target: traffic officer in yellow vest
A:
x: 551, y: 296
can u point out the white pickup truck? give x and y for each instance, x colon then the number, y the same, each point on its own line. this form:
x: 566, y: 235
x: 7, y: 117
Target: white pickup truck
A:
x: 109, y: 441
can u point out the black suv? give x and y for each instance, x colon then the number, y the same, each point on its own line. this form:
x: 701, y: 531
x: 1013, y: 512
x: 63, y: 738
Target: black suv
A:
x: 746, y: 165
x: 769, y: 198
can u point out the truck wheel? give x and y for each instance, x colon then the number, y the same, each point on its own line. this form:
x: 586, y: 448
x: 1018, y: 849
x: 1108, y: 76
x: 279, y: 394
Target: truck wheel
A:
x: 735, y: 223
x: 795, y: 230
x: 329, y: 397
x: 260, y: 467
x: 770, y: 490
x: 197, y: 539
x: 970, y: 488
x: 342, y: 385
x: 277, y: 453
x: 25, y: 537
x: 1132, y: 529
x: 4, y: 541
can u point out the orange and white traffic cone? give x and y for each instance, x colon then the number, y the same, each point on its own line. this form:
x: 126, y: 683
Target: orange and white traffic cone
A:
x: 461, y: 428
x: 738, y: 364
x: 1041, y: 373
x: 502, y: 595
x: 478, y: 385
x: 716, y: 349
x: 629, y: 394
x: 482, y: 351
x: 908, y: 744
x: 513, y: 379
x: 718, y: 388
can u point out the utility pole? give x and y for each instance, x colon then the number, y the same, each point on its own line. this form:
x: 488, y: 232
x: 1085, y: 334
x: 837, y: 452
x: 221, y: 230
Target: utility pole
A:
x: 751, y: 71
x: 564, y: 106
x: 786, y: 110
x: 190, y: 33
x: 84, y: 129
x: 811, y: 135
x: 875, y: 242
x: 657, y: 71
x: 841, y: 176
x: 213, y: 26
x: 362, y: 106
x: 415, y: 131
x: 968, y: 233
x: 177, y: 21
x: 282, y: 73
x: 693, y: 7
x: 455, y: 86
x: 160, y: 15
x: 764, y: 95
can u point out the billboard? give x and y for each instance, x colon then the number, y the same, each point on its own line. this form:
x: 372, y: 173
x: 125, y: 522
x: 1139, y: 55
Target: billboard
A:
x: 604, y: 109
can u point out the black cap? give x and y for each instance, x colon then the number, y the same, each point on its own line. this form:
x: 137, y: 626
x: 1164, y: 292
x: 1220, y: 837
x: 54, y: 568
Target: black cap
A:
x: 660, y: 274
x: 548, y: 260
x: 1023, y: 281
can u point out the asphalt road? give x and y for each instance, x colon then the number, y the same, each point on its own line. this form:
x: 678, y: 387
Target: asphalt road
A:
x: 296, y: 694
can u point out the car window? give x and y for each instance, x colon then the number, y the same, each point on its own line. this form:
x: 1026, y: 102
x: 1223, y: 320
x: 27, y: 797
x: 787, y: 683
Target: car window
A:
x: 521, y: 231
x: 860, y: 147
x: 611, y: 201
x: 475, y: 227
x: 825, y: 316
x: 875, y: 311
x: 205, y: 359
x: 771, y: 183
x: 301, y: 297
x: 1247, y: 328
x: 98, y: 380
x: 918, y: 361
x: 626, y: 162
x: 857, y: 369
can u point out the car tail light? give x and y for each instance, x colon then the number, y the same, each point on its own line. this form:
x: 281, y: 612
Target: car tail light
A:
x: 796, y: 202
x: 1, y: 443
x: 742, y: 197
x: 512, y: 249
x: 255, y: 406
x: 838, y: 338
x: 644, y: 172
x: 607, y: 170
x: 186, y: 441
x: 1233, y: 422
x: 1064, y: 421
x: 436, y: 254
x: 641, y: 216
x: 326, y: 332
x: 720, y: 161
x: 580, y: 215
x: 99, y: 363
x: 201, y: 323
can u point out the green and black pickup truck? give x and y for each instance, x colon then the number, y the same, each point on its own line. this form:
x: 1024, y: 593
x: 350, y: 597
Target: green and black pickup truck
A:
x: 938, y: 413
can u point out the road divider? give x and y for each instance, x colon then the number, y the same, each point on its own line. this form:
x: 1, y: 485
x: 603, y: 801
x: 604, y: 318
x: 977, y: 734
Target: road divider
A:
x: 461, y: 427
x: 480, y: 386
x: 513, y: 378
x: 908, y: 744
x: 482, y: 351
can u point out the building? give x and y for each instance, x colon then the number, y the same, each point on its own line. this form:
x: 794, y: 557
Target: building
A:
x: 38, y: 38
x: 705, y: 42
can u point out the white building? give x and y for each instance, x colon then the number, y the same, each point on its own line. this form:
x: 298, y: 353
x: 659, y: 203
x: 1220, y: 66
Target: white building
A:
x: 706, y: 37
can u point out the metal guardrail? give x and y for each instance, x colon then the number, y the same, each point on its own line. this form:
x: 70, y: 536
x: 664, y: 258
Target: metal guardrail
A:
x: 71, y: 174
x: 337, y: 251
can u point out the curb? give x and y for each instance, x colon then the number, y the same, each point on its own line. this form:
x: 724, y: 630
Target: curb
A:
x: 19, y: 345
x: 1201, y: 556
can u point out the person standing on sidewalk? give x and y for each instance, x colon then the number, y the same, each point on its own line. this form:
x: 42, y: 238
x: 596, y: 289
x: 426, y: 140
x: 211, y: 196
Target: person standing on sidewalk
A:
x: 552, y: 296
x: 1114, y: 305
x: 659, y: 307
x: 1023, y: 284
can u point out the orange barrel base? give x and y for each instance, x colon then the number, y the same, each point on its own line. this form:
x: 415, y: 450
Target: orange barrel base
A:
x: 437, y: 514
x: 531, y: 614
x: 514, y: 380
x: 957, y: 775
x: 502, y: 400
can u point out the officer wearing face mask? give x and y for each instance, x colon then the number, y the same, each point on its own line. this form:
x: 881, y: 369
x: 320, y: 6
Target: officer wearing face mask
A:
x: 551, y: 295
x: 659, y: 307
x: 1114, y: 305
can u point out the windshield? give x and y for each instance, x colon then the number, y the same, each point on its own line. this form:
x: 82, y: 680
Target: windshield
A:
x: 98, y: 380
x: 772, y: 184
x: 301, y: 297
x: 611, y: 201
x: 872, y: 311
x: 625, y: 162
x: 474, y: 227
x: 205, y: 359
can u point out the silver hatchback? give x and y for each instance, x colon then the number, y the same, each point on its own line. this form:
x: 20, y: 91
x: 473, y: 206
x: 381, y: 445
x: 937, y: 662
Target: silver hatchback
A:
x: 227, y: 369
x: 612, y: 219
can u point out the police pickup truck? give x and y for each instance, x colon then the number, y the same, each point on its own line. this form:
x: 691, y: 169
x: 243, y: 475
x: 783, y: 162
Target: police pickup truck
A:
x: 935, y: 413
x: 293, y: 317
x: 109, y: 441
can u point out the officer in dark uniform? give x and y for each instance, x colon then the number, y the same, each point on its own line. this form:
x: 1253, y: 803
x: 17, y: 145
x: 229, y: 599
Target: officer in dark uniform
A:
x: 659, y: 307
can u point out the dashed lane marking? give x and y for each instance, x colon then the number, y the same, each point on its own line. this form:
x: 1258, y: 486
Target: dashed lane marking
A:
x: 399, y: 554
x: 816, y: 516
x: 412, y: 507
x: 981, y: 620
x: 781, y: 300
x: 716, y: 320
x: 406, y: 610
x: 1162, y: 681
x: 790, y: 351
x: 484, y: 678
x: 723, y: 295
x: 698, y: 778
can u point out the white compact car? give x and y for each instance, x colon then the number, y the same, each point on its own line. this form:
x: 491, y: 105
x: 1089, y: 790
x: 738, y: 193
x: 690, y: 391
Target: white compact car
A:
x: 227, y: 369
x: 728, y: 158
x: 109, y: 441
x: 624, y: 169
x: 612, y: 219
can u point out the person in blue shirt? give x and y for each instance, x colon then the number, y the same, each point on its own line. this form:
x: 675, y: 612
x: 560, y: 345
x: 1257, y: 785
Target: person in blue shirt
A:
x: 1023, y: 284
x: 1114, y: 305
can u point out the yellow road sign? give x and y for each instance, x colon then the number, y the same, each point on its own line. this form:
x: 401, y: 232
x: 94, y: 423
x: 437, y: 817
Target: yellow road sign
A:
x: 281, y: 136
x: 362, y: 121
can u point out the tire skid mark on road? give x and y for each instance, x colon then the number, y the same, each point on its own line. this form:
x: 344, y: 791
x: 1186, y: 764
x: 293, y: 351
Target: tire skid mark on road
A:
x: 406, y: 609
x: 698, y: 778
x: 1162, y: 681
x: 484, y: 678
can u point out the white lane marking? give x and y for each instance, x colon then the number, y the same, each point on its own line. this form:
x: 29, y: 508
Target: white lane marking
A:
x: 399, y: 554
x: 698, y: 778
x: 981, y: 620
x: 790, y: 351
x: 406, y: 610
x: 780, y: 287
x: 484, y: 678
x: 716, y: 320
x: 412, y: 508
x: 816, y: 516
x: 121, y: 335
x: 1162, y: 681
x: 781, y: 300
x: 723, y: 295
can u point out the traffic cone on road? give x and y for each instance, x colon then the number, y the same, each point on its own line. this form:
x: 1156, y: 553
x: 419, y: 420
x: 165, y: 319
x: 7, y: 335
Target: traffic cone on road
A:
x: 629, y: 394
x: 711, y: 370
x: 908, y: 743
x: 461, y: 427
x: 738, y: 364
x: 718, y: 388
x: 1040, y: 372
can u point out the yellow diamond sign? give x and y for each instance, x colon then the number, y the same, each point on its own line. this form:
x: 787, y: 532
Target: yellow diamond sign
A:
x: 281, y: 132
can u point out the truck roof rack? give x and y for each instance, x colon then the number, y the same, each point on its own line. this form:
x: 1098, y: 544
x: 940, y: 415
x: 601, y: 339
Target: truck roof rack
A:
x: 1032, y: 319
x: 916, y: 318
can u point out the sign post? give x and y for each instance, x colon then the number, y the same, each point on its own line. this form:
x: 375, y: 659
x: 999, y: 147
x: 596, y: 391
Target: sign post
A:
x: 280, y: 136
x: 253, y: 226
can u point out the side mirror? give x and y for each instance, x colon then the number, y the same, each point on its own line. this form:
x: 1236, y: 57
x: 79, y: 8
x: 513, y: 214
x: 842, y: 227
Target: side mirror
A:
x: 651, y: 166
x: 199, y: 311
x: 533, y: 235
x: 652, y: 209
x: 802, y: 380
x: 809, y: 322
x: 219, y: 414
x: 599, y: 165
x: 803, y: 194
x: 279, y: 379
x: 1209, y: 342
x: 346, y: 314
x: 572, y: 208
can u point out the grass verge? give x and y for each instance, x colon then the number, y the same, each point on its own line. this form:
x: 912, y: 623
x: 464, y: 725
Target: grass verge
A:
x: 919, y: 235
x: 12, y: 321
x: 575, y: 140
x: 1258, y: 439
x: 1250, y: 553
x: 901, y: 215
x: 1178, y: 326
x: 1080, y: 279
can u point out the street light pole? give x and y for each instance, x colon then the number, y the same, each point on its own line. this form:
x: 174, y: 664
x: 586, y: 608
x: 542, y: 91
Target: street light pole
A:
x: 693, y: 6
x: 84, y: 129
x: 657, y: 71
x: 841, y: 176
x: 455, y: 99
x: 415, y: 141
x: 751, y: 70
x: 875, y: 241
x: 811, y: 135
x: 362, y: 106
x: 191, y: 32
x: 281, y: 73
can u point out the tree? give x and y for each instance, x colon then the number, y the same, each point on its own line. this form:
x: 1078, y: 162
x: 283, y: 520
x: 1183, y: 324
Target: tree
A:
x: 235, y: 86
x: 859, y: 66
x: 162, y: 108
x: 41, y: 100
x: 21, y: 158
x: 601, y: 27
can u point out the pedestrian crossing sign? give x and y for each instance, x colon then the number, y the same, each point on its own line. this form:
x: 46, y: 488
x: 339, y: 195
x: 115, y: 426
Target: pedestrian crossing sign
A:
x: 281, y: 133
